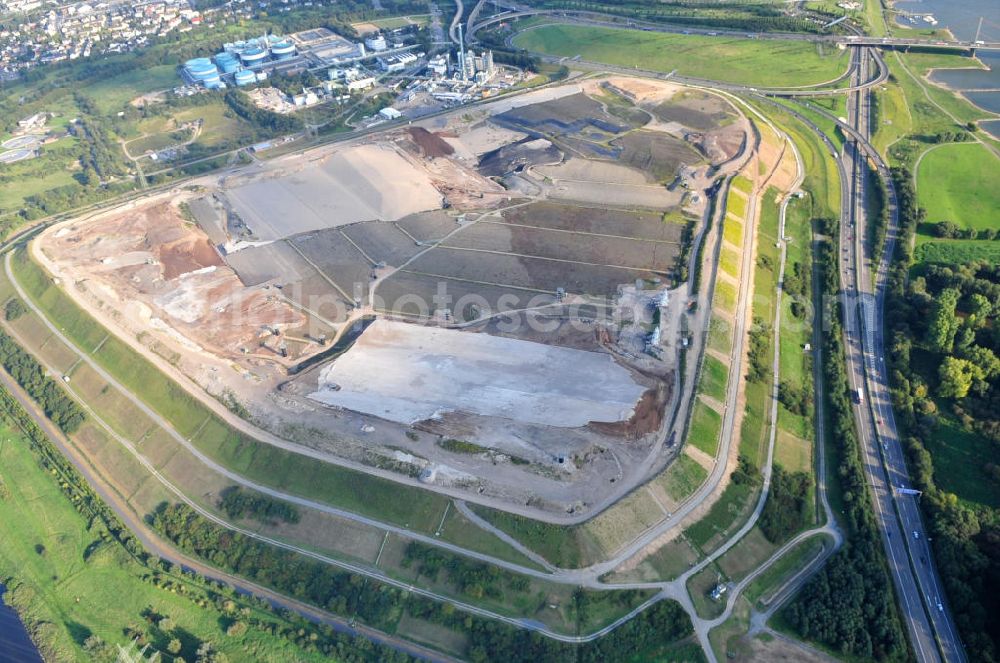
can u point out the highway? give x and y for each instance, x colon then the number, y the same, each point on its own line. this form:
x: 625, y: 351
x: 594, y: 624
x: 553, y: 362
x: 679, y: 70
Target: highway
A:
x: 933, y: 634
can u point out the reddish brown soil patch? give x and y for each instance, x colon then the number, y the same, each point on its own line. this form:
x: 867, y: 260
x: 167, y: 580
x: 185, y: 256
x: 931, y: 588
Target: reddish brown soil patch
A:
x: 432, y: 145
x: 646, y: 419
x: 186, y: 256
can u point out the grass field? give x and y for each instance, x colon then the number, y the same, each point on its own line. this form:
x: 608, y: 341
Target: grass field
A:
x: 821, y: 178
x: 394, y: 22
x: 672, y: 559
x: 736, y: 205
x: 729, y: 261
x: 729, y: 639
x: 732, y: 230
x: 720, y: 336
x: 682, y: 478
x: 112, y: 94
x: 58, y: 556
x: 11, y: 197
x: 699, y: 586
x: 785, y: 567
x: 713, y: 378
x: 959, y: 458
x: 742, y: 183
x: 893, y: 115
x: 752, y: 62
x: 912, y: 108
x: 960, y: 183
x: 957, y: 251
x: 625, y: 521
x: 705, y: 426
x: 218, y: 125
x: 725, y: 296
x: 795, y: 433
x: 752, y: 550
x: 566, y: 547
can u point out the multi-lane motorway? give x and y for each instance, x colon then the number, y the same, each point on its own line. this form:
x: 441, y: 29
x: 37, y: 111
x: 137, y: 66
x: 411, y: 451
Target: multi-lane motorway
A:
x: 864, y: 279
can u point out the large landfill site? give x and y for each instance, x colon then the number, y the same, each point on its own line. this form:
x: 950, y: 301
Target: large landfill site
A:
x: 492, y: 301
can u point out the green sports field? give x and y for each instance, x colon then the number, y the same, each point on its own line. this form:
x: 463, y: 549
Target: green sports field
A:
x: 767, y: 63
x: 960, y: 183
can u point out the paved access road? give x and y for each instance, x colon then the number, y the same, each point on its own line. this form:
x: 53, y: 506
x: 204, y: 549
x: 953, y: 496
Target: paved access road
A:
x: 933, y: 634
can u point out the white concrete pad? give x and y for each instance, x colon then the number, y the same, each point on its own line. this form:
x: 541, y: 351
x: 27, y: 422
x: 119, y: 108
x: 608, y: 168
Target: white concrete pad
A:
x: 407, y: 373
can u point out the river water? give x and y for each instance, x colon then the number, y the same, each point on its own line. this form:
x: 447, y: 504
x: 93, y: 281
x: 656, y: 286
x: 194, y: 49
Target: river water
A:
x: 962, y: 18
x: 15, y: 645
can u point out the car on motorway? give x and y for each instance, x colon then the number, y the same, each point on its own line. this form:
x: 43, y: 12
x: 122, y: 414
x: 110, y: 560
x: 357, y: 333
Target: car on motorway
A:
x: 916, y: 534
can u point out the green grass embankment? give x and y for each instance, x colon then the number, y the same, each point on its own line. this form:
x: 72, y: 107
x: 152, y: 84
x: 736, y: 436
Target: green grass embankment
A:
x: 770, y: 63
x: 378, y: 498
x: 81, y: 591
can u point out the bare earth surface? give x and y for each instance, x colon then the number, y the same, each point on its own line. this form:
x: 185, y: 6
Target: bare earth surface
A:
x: 407, y: 373
x: 363, y: 183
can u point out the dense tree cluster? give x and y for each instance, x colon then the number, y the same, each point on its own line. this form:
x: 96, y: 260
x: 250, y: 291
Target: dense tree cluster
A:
x: 472, y: 578
x: 943, y: 324
x: 787, y: 505
x: 240, y: 503
x: 948, y: 230
x: 489, y: 640
x: 797, y: 400
x: 28, y: 373
x: 14, y: 309
x: 760, y: 345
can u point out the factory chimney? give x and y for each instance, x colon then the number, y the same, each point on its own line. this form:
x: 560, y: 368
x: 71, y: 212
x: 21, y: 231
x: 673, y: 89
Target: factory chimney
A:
x: 461, y: 51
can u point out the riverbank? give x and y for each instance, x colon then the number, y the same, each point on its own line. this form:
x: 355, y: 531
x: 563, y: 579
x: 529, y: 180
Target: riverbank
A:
x: 15, y: 643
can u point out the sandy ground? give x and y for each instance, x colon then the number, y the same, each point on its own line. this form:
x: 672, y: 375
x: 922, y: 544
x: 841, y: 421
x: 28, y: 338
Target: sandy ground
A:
x: 628, y: 196
x: 162, y: 273
x: 781, y: 650
x: 641, y: 90
x: 408, y: 373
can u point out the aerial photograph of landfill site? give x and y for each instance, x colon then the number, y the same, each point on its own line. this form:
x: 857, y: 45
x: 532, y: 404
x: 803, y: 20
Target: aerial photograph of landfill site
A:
x: 509, y: 276
x: 499, y: 332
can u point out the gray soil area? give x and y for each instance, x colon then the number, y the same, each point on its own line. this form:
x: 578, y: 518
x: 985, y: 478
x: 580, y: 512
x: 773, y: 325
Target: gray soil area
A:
x: 428, y: 227
x: 629, y: 252
x: 363, y: 183
x: 520, y: 264
x: 407, y: 373
x: 696, y: 109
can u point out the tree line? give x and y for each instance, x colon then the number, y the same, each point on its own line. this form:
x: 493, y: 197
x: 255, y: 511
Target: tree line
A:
x: 58, y: 406
x: 237, y: 502
x: 381, y: 605
x: 787, y: 506
x: 943, y: 326
x: 163, y: 574
x: 473, y: 578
